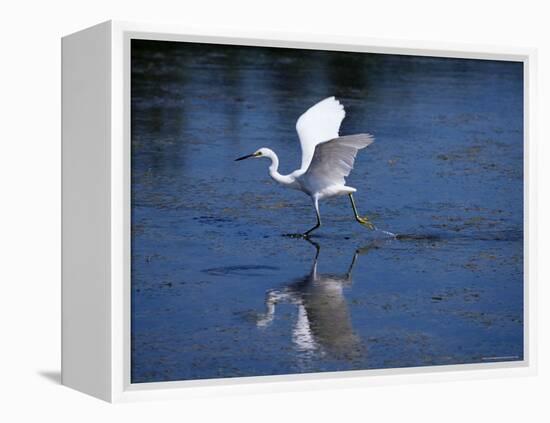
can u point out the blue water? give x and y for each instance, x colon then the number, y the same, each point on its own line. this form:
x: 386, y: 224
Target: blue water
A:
x: 217, y: 291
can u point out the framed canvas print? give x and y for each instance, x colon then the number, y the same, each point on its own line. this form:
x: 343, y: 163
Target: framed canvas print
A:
x: 248, y: 212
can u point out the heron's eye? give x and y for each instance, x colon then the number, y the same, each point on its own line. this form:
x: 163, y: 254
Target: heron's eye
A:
x: 259, y: 153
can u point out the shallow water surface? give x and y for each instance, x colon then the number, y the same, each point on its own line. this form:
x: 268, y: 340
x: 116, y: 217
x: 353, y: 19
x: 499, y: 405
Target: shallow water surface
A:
x: 217, y: 291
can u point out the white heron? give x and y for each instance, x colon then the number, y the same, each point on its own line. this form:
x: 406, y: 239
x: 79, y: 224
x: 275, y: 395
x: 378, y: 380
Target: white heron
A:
x: 327, y: 157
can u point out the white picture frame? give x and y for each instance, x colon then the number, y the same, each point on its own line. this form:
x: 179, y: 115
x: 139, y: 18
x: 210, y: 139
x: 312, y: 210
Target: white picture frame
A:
x: 96, y: 214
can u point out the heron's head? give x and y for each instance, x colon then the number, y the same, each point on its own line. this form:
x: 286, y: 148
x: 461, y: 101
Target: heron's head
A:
x: 262, y: 152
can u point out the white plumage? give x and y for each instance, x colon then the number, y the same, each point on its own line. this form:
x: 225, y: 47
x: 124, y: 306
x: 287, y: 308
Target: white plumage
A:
x: 332, y: 162
x: 318, y: 124
x: 327, y: 158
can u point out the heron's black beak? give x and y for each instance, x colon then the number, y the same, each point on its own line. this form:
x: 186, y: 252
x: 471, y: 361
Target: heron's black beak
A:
x: 244, y: 157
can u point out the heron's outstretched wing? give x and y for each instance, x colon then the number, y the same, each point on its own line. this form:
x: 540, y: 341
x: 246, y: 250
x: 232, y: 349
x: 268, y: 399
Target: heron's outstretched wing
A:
x: 333, y: 160
x: 320, y: 123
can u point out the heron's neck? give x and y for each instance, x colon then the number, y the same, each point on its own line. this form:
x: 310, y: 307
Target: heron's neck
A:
x: 273, y: 169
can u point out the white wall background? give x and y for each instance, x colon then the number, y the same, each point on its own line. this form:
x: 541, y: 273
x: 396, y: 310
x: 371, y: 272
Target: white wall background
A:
x: 30, y: 207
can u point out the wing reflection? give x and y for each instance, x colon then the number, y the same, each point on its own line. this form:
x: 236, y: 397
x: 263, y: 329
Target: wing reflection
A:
x: 323, y: 323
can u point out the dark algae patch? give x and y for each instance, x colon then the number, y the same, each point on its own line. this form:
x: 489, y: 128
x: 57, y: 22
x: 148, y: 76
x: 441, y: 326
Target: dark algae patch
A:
x: 218, y: 292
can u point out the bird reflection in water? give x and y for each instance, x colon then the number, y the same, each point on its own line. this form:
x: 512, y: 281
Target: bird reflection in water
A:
x: 324, y: 323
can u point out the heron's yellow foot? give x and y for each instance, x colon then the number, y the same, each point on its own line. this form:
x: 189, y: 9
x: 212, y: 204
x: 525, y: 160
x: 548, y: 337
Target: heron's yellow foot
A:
x: 365, y: 222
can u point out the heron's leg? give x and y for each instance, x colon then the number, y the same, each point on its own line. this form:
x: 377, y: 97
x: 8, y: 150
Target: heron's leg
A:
x: 362, y: 220
x: 316, y: 205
